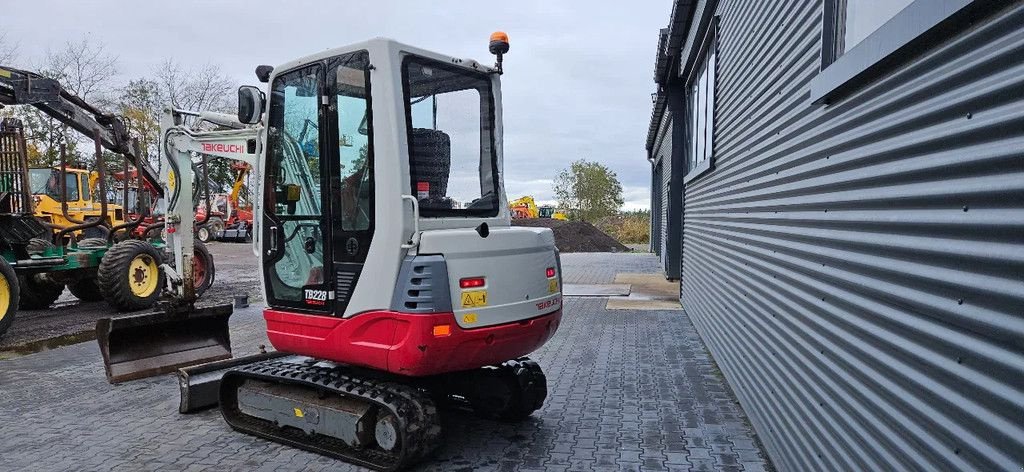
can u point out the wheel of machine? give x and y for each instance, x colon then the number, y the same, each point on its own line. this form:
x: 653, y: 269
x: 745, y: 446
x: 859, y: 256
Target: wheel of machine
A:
x: 93, y: 242
x: 210, y: 230
x: 86, y: 289
x: 37, y: 291
x: 9, y: 291
x: 129, y: 275
x: 94, y: 233
x: 203, y: 269
x: 38, y: 245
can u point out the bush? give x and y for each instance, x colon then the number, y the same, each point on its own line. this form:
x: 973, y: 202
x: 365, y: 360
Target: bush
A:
x: 633, y: 227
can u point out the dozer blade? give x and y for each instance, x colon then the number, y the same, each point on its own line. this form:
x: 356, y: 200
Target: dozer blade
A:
x: 200, y: 384
x: 139, y: 346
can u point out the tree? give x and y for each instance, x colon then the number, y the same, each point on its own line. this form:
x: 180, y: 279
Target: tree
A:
x: 206, y: 88
x: 8, y: 50
x: 84, y: 68
x: 139, y: 104
x: 588, y: 190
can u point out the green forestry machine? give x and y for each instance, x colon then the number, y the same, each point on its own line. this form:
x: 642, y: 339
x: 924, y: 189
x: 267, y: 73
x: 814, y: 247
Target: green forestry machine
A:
x: 37, y: 258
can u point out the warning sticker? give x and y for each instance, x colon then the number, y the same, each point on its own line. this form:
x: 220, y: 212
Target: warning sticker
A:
x: 422, y: 190
x: 475, y: 298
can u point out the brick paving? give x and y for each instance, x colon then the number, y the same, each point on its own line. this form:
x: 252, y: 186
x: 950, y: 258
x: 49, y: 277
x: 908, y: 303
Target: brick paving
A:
x: 629, y: 390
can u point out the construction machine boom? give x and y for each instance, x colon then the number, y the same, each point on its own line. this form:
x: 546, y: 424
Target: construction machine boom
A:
x: 181, y: 334
x: 19, y: 87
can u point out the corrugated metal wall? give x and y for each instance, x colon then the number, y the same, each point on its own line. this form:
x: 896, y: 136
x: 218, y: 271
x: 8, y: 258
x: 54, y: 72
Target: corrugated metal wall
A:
x: 857, y: 270
x: 656, y: 213
x: 663, y: 147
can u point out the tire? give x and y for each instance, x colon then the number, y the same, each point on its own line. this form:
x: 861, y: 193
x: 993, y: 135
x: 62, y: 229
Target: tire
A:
x: 209, y: 231
x: 202, y: 262
x: 203, y: 234
x: 86, y: 289
x: 37, y: 292
x: 9, y: 291
x: 38, y: 245
x: 432, y: 160
x: 129, y: 276
x: 94, y: 233
x: 93, y: 242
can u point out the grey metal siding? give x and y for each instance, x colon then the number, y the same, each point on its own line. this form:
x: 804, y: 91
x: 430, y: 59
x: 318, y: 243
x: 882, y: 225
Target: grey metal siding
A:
x: 857, y: 270
x: 663, y: 149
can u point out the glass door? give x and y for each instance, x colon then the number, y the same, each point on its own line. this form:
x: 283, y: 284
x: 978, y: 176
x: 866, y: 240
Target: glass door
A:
x: 296, y: 257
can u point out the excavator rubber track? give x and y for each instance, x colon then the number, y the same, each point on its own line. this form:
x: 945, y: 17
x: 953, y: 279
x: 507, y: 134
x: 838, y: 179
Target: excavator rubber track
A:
x: 412, y: 411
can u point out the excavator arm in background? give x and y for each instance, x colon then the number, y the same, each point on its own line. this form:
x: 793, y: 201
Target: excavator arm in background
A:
x: 178, y: 143
x: 181, y: 333
x: 19, y: 87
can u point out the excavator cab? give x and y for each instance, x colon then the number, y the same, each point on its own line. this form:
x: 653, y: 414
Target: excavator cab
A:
x: 400, y: 175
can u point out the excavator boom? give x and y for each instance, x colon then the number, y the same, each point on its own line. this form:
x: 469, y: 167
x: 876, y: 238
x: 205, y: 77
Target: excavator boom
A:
x: 19, y: 87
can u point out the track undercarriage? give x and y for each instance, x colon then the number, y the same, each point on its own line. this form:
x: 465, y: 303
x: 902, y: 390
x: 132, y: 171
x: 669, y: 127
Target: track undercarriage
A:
x: 385, y: 423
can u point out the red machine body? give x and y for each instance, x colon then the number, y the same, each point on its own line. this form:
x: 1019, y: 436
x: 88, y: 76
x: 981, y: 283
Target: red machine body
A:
x: 412, y: 344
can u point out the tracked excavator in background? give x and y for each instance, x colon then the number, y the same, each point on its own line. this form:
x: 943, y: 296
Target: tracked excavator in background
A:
x: 393, y: 279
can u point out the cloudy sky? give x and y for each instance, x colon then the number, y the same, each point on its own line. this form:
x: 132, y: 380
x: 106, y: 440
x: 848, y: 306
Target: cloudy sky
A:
x: 578, y: 77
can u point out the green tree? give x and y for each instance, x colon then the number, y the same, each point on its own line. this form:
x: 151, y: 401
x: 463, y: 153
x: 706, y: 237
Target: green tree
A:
x: 588, y: 190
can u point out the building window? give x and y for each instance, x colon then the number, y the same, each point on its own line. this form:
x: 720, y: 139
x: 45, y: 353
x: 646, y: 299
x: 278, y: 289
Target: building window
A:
x: 863, y: 40
x: 855, y: 20
x: 701, y: 105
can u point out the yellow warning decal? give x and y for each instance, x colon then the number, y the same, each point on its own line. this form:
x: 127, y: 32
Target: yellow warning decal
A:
x: 552, y: 285
x: 5, y: 73
x: 171, y: 180
x: 474, y: 298
x: 469, y: 318
x: 299, y: 413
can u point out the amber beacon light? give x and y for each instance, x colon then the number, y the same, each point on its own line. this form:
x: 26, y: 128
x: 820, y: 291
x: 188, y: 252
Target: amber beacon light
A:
x: 499, y: 46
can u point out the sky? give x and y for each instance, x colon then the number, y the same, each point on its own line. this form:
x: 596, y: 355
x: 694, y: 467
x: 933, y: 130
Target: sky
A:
x: 577, y: 84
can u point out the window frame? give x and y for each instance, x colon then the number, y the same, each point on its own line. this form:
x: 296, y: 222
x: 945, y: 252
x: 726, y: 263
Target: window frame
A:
x: 491, y: 129
x: 708, y: 46
x: 898, y: 40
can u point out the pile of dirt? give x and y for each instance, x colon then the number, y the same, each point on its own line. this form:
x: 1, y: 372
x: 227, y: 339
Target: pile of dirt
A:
x: 575, y: 236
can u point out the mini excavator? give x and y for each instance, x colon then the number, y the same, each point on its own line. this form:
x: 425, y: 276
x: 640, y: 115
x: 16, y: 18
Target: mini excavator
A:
x: 392, y: 276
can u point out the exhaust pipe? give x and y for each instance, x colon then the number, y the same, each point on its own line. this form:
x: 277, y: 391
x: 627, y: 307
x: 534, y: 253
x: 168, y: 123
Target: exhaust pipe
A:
x: 148, y: 344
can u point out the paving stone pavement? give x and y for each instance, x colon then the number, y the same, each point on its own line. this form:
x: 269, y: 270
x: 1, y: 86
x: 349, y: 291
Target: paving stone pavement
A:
x: 628, y: 390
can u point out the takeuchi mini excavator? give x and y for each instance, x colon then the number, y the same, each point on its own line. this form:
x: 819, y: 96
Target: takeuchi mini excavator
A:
x: 392, y: 275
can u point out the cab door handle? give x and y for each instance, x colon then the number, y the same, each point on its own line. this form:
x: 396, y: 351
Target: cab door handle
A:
x: 272, y: 241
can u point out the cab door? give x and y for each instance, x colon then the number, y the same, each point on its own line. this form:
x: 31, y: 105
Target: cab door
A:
x: 296, y: 229
x: 318, y: 213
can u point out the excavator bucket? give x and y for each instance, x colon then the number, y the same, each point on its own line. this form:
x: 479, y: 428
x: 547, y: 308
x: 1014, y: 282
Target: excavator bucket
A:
x: 139, y: 346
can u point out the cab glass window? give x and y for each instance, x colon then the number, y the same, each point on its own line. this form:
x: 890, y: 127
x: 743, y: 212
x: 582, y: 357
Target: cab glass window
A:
x: 450, y: 120
x: 47, y: 182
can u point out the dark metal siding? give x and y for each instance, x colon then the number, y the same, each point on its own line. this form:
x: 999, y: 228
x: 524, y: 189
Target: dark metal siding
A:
x: 663, y: 149
x: 857, y: 270
x: 656, y: 214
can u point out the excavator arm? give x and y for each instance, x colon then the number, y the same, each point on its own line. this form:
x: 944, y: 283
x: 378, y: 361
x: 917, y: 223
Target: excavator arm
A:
x: 19, y: 87
x: 178, y: 143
